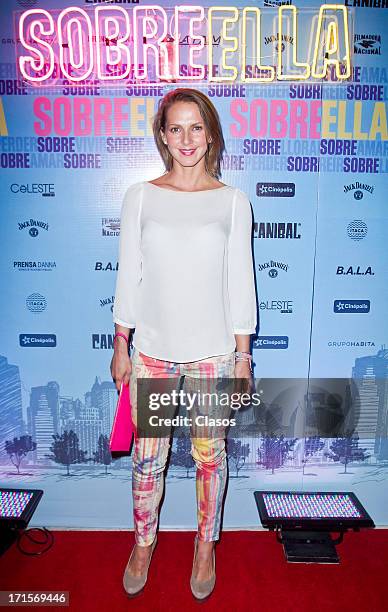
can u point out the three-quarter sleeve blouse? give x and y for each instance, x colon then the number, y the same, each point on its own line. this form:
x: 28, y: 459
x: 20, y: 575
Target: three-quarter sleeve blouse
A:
x: 185, y: 280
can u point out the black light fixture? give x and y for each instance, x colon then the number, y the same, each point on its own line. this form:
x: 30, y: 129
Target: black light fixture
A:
x: 16, y: 509
x: 303, y: 521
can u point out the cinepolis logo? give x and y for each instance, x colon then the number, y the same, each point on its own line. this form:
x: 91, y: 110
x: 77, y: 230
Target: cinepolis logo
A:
x: 275, y: 190
x: 37, y: 340
x: 358, y: 189
x: 36, y: 302
x: 355, y: 271
x: 110, y: 226
x: 33, y: 226
x: 270, y: 342
x: 357, y: 229
x: 44, y: 189
x: 272, y: 267
x: 346, y: 306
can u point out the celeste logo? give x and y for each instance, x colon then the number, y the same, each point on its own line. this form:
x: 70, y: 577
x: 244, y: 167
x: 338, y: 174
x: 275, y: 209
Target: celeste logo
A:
x: 270, y: 342
x: 275, y: 190
x: 345, y: 306
x: 36, y: 302
x: 40, y: 340
x: 357, y: 229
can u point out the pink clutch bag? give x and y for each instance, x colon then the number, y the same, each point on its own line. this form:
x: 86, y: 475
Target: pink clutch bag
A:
x: 123, y: 429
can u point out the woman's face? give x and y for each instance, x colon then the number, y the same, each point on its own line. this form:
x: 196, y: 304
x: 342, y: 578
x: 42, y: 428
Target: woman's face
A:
x: 185, y: 134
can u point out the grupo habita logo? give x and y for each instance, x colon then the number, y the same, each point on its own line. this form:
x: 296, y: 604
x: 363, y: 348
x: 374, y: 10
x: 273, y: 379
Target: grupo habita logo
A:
x: 352, y: 306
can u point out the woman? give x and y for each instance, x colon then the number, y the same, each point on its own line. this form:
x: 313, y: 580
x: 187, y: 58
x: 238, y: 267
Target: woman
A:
x: 185, y: 283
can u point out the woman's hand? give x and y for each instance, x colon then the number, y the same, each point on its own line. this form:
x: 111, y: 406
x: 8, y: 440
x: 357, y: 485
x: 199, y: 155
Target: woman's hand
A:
x: 121, y: 365
x: 244, y: 382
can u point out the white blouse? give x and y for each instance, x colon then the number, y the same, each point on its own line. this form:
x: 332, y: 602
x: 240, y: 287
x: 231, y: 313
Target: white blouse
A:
x: 185, y: 280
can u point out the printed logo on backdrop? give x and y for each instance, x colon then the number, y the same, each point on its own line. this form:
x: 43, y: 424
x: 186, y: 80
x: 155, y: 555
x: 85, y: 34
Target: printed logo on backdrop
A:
x: 354, y: 271
x: 46, y: 190
x: 357, y: 229
x: 367, y: 44
x: 36, y: 302
x: 289, y: 230
x: 351, y: 306
x: 274, y: 3
x: 272, y: 267
x: 282, y: 306
x: 34, y: 265
x: 270, y: 342
x: 37, y: 340
x: 275, y: 190
x: 27, y: 3
x: 350, y: 343
x: 34, y: 225
x: 102, y: 341
x: 275, y: 42
x: 110, y: 226
x: 109, y: 301
x: 358, y: 189
x: 106, y: 266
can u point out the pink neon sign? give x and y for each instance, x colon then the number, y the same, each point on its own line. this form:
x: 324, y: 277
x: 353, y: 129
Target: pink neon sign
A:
x: 112, y: 44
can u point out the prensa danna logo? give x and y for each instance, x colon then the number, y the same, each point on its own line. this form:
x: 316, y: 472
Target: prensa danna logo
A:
x: 358, y: 189
x: 272, y: 267
x: 357, y: 229
x: 367, y: 44
x: 36, y: 302
x: 34, y: 266
x: 33, y: 226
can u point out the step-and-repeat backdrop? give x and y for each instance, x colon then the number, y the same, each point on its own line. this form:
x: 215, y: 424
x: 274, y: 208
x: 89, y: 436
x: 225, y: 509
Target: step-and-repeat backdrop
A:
x: 305, y: 127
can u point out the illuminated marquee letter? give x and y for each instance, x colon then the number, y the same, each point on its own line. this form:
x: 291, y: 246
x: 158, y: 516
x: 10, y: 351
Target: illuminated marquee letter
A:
x: 192, y: 48
x: 331, y: 43
x: 289, y: 77
x: 80, y: 46
x: 27, y: 30
x: 257, y: 49
x: 102, y: 30
x: 138, y: 15
x: 225, y: 50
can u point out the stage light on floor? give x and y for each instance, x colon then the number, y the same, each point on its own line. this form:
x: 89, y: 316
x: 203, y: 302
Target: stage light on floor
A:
x: 303, y: 521
x: 16, y: 509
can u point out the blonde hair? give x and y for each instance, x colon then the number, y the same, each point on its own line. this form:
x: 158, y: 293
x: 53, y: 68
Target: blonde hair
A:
x: 216, y: 148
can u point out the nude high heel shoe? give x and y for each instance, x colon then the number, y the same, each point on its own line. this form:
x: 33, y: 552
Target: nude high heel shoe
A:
x: 134, y: 584
x: 202, y: 589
